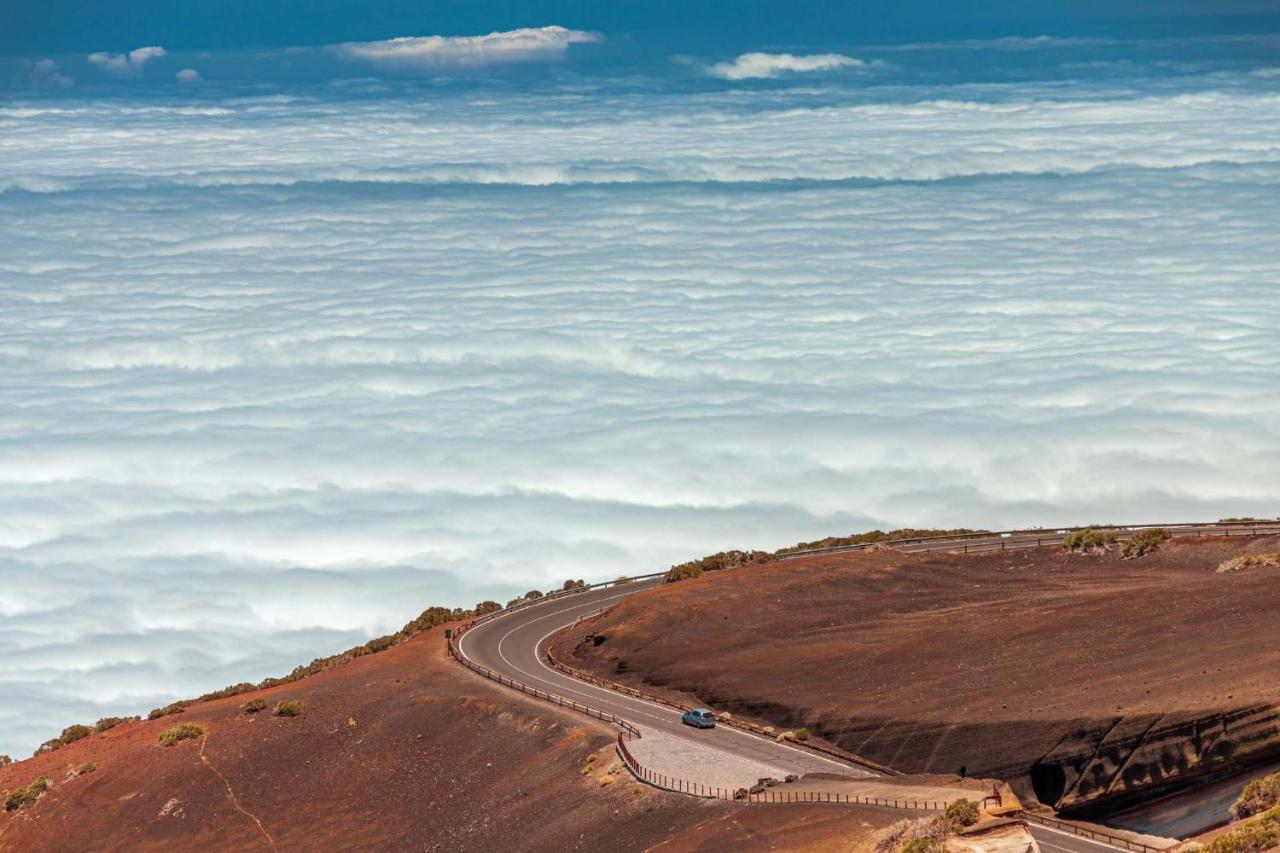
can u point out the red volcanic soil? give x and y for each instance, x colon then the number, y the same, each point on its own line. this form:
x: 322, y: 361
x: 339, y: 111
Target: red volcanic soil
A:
x: 1078, y: 679
x: 394, y: 751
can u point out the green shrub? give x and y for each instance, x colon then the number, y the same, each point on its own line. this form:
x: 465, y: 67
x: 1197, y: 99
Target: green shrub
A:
x: 181, y: 732
x: 1253, y: 837
x: 253, y: 706
x: 107, y: 723
x: 170, y: 709
x: 1144, y: 542
x: 5, y: 760
x: 1250, y: 561
x: 87, y: 767
x: 21, y: 797
x: 49, y: 746
x: 1089, y: 539
x: 873, y: 536
x: 1258, y: 796
x: 923, y: 845
x: 962, y: 813
x: 717, y: 562
x: 802, y: 734
x: 571, y: 585
x: 682, y: 572
x: 71, y: 734
x: 289, y: 708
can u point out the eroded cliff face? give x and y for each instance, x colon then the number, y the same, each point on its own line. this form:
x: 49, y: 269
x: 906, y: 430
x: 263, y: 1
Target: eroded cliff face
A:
x: 1134, y: 754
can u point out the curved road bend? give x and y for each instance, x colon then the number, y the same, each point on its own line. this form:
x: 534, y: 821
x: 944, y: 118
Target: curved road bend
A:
x: 512, y: 645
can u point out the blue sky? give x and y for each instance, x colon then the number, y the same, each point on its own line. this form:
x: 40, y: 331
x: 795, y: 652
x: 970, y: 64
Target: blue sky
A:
x: 74, y: 26
x: 284, y: 43
x: 311, y: 320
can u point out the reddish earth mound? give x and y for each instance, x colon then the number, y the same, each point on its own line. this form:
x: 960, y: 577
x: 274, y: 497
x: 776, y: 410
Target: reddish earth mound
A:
x: 1079, y: 679
x: 394, y: 751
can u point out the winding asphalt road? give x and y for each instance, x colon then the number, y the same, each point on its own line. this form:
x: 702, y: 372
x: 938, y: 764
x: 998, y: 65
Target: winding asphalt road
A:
x: 512, y: 644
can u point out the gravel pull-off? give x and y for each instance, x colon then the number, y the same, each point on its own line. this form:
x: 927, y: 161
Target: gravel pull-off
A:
x: 683, y: 758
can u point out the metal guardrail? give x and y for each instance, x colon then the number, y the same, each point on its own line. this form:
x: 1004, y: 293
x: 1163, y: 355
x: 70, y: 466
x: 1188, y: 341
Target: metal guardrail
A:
x: 761, y: 731
x: 456, y: 654
x: 1091, y: 834
x: 711, y: 792
x: 562, y: 593
x: 1035, y: 537
x: 1024, y: 539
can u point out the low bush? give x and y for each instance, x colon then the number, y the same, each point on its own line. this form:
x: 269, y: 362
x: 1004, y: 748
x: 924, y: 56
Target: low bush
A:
x: 1250, y: 561
x: 289, y: 708
x: 181, y: 732
x: 1089, y: 540
x: 962, y: 813
x: 107, y: 723
x: 170, y: 709
x: 911, y: 831
x: 802, y: 734
x: 1258, y: 796
x: 5, y: 760
x: 253, y: 706
x: 923, y: 845
x: 871, y: 537
x: 21, y: 797
x: 1253, y: 837
x: 571, y: 585
x: 1144, y: 542
x: 87, y: 767
x: 683, y: 572
x: 717, y: 562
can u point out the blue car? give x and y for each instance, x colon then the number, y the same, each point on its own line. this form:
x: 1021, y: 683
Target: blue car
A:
x: 700, y: 718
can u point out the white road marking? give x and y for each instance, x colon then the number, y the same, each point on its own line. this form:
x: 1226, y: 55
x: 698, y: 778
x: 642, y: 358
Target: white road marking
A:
x: 579, y: 686
x: 1073, y: 836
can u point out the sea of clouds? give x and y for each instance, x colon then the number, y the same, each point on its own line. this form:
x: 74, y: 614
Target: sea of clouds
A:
x: 280, y: 372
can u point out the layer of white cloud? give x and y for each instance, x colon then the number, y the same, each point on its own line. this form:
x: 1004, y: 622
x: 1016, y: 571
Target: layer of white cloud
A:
x: 750, y: 66
x: 427, y: 52
x: 281, y: 372
x: 188, y: 75
x: 126, y: 64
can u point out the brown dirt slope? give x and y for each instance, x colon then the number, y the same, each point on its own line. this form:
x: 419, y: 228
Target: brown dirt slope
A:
x: 402, y: 750
x: 1079, y: 679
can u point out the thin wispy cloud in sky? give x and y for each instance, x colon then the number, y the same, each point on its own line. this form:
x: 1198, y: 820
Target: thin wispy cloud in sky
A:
x: 281, y: 369
x: 768, y: 65
x: 126, y: 64
x: 524, y: 45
